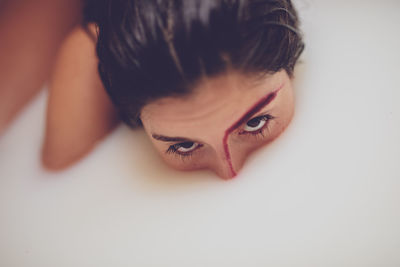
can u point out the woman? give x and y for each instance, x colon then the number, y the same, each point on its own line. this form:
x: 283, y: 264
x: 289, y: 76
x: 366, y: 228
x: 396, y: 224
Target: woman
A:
x: 209, y: 80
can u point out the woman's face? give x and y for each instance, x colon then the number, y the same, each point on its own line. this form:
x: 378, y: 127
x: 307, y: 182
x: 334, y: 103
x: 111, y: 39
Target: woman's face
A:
x: 221, y: 122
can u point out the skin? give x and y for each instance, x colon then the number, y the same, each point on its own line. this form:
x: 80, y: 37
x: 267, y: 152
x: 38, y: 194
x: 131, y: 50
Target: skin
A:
x: 31, y: 32
x: 34, y: 51
x: 79, y: 112
x: 210, y: 112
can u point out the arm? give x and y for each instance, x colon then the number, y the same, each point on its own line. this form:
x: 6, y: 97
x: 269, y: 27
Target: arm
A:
x: 31, y: 32
x: 79, y: 112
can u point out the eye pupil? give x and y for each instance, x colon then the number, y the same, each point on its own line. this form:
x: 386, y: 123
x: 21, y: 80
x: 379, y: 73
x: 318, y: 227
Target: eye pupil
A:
x: 186, y: 144
x: 254, y: 122
x: 257, y: 123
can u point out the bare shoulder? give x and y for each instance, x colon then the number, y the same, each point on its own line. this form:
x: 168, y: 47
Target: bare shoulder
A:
x: 78, y: 49
x: 79, y: 112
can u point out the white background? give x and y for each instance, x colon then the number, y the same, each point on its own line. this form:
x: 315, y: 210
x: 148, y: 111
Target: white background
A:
x: 326, y: 193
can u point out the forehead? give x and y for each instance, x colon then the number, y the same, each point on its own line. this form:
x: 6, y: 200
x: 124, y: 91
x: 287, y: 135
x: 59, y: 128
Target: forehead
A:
x: 214, y: 103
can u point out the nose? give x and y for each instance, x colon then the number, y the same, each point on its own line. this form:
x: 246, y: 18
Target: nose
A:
x: 225, y: 172
x: 227, y: 166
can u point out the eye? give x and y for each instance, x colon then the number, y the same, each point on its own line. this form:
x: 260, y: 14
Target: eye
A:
x: 257, y: 123
x: 184, y: 148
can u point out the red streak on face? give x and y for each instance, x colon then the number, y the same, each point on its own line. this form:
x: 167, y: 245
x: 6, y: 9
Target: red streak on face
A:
x: 254, y: 109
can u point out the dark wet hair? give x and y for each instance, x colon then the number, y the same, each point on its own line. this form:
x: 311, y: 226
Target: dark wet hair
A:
x: 149, y: 49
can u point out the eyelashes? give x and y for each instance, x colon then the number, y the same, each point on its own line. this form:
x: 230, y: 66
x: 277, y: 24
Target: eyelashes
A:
x: 255, y: 127
x: 183, y: 149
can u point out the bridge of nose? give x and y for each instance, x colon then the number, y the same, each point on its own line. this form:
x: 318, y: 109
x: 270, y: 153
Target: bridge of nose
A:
x: 224, y: 164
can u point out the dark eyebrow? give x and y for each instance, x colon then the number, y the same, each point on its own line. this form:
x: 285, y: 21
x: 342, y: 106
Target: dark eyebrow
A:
x: 254, y: 109
x: 169, y: 139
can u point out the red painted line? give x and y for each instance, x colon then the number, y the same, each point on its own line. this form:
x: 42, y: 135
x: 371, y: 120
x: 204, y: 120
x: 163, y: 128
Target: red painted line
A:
x: 254, y: 109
